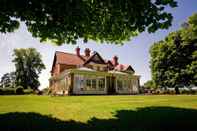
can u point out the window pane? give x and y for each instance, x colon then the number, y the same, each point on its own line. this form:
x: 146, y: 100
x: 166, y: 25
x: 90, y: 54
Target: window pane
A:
x: 101, y: 83
x: 94, y: 83
x: 119, y: 84
x: 88, y: 84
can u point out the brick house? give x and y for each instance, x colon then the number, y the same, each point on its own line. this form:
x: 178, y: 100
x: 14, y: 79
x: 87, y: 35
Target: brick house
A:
x: 76, y: 74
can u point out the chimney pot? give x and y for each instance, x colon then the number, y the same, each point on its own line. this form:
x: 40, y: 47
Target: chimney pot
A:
x: 77, y: 51
x: 115, y: 60
x: 87, y: 52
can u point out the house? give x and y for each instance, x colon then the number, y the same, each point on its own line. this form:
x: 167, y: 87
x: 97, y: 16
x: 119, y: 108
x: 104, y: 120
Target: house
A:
x: 89, y: 73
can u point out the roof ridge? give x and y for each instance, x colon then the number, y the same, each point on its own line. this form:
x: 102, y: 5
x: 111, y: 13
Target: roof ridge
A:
x: 68, y: 53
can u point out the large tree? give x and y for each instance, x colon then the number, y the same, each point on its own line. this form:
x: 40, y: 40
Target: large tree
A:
x: 174, y: 60
x: 60, y: 21
x: 28, y: 64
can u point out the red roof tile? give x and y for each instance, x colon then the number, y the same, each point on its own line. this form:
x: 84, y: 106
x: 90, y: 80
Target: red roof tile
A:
x: 69, y: 59
x: 121, y: 67
x: 73, y: 59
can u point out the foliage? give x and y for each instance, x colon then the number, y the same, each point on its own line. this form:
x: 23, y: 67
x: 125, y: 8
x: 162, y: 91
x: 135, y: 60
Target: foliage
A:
x: 19, y: 90
x: 45, y: 91
x: 8, y: 80
x: 28, y: 64
x: 149, y: 84
x: 7, y: 91
x: 174, y: 60
x: 28, y: 91
x: 60, y: 21
x: 15, y: 91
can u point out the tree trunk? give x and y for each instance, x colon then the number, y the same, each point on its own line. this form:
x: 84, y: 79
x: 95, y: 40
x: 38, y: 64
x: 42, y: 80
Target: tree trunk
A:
x: 177, y: 90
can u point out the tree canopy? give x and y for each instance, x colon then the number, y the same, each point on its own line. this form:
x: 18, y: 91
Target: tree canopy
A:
x: 28, y: 64
x: 174, y: 60
x: 149, y: 84
x: 8, y: 80
x: 60, y: 21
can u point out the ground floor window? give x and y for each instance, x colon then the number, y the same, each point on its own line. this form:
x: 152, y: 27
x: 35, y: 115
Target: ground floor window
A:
x: 94, y: 81
x: 101, y: 83
x: 123, y: 83
x: 90, y: 82
x: 119, y: 84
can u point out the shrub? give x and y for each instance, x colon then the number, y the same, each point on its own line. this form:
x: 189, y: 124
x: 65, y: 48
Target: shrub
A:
x: 7, y: 91
x: 169, y: 92
x: 185, y: 92
x: 191, y: 92
x: 38, y: 92
x: 28, y: 91
x: 19, y: 90
x: 1, y: 91
x: 45, y: 91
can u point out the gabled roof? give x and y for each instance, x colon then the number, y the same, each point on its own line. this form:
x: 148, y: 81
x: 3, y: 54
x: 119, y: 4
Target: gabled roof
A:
x: 121, y: 67
x: 92, y: 58
x: 73, y: 59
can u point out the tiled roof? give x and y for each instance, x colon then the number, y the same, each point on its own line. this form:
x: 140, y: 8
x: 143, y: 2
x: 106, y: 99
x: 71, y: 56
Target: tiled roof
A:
x: 121, y: 67
x: 73, y: 59
x: 69, y: 59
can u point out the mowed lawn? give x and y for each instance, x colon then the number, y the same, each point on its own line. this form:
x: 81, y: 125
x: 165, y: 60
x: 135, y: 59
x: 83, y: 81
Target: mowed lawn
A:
x: 140, y: 113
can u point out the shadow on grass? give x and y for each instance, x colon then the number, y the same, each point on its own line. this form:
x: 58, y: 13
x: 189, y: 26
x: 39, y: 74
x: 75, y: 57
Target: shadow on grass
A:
x: 142, y: 119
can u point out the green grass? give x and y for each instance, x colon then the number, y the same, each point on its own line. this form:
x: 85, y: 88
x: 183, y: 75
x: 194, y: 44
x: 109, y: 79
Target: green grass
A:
x: 139, y: 113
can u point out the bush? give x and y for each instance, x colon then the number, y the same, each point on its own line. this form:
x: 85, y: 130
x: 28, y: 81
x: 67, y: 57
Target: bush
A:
x: 169, y: 92
x: 7, y: 91
x: 28, y: 91
x: 19, y: 90
x: 189, y: 92
x: 45, y: 91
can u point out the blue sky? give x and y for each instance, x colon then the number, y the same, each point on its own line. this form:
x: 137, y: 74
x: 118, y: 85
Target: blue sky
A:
x: 134, y: 52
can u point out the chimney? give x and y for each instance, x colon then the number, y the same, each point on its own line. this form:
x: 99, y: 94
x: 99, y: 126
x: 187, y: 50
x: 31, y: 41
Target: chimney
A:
x: 115, y: 60
x: 87, y: 52
x: 77, y: 51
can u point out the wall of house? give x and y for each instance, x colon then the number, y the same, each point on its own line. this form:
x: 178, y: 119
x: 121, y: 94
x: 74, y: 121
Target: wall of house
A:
x: 55, y: 70
x: 58, y: 68
x: 61, y: 87
x: 65, y: 67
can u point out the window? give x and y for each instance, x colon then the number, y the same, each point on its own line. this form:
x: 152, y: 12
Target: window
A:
x: 88, y: 84
x: 120, y: 84
x: 101, y: 83
x: 94, y: 83
x: 126, y: 84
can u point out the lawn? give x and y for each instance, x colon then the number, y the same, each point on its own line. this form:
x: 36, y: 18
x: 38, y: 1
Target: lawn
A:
x: 110, y: 113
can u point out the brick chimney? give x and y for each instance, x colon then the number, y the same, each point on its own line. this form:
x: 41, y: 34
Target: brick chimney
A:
x: 87, y: 52
x: 77, y: 51
x: 115, y: 60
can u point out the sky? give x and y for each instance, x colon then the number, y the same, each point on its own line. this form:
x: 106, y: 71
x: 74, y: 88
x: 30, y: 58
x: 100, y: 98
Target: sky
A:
x: 134, y: 52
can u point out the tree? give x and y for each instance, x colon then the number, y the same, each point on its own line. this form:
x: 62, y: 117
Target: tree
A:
x: 8, y: 80
x: 60, y: 21
x: 28, y: 64
x: 174, y: 60
x: 150, y: 84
